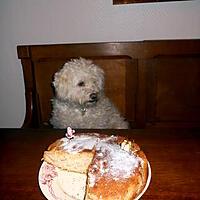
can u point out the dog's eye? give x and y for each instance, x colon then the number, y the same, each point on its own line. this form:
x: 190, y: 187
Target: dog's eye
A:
x: 81, y: 84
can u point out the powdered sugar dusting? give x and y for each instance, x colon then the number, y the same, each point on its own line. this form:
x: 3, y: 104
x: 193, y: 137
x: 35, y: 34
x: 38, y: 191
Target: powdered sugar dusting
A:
x: 79, y: 143
x: 121, y: 163
x: 84, y: 141
x: 110, y: 160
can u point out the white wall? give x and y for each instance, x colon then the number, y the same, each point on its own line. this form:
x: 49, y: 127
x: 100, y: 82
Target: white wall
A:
x: 69, y: 21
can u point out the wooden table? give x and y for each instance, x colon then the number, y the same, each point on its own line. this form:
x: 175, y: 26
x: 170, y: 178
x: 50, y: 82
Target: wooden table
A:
x: 174, y: 156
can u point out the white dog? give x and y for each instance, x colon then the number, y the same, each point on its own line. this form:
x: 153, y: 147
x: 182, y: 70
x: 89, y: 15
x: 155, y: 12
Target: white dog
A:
x: 80, y: 101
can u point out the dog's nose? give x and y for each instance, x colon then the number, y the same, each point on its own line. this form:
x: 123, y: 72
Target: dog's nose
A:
x: 93, y: 96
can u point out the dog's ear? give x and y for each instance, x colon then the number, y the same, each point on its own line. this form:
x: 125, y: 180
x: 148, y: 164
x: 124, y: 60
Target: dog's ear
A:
x: 60, y: 84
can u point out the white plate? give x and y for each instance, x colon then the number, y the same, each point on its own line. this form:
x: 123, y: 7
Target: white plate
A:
x: 48, y: 182
x: 147, y: 184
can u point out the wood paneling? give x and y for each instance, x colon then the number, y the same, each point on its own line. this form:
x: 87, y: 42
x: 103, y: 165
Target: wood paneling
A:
x: 173, y: 90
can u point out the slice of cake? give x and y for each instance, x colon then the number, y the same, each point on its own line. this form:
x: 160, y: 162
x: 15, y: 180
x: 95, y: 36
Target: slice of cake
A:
x: 64, y: 153
x: 72, y: 184
x: 103, y: 167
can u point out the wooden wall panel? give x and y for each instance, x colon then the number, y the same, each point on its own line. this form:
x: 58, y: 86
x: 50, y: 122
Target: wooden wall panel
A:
x: 173, y: 90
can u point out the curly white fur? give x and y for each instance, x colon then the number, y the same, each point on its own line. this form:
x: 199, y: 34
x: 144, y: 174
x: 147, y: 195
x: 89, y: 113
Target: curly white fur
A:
x: 80, y: 101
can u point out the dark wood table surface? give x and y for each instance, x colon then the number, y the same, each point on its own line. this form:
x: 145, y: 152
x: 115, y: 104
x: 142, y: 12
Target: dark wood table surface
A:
x: 174, y: 156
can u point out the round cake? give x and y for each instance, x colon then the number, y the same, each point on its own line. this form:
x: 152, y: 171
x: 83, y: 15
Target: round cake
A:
x: 107, y: 167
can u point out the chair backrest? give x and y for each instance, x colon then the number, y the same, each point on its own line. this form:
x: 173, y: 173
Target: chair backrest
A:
x: 143, y: 79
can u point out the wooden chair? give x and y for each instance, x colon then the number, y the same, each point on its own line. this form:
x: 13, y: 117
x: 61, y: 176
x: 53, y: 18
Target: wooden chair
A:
x: 143, y: 79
